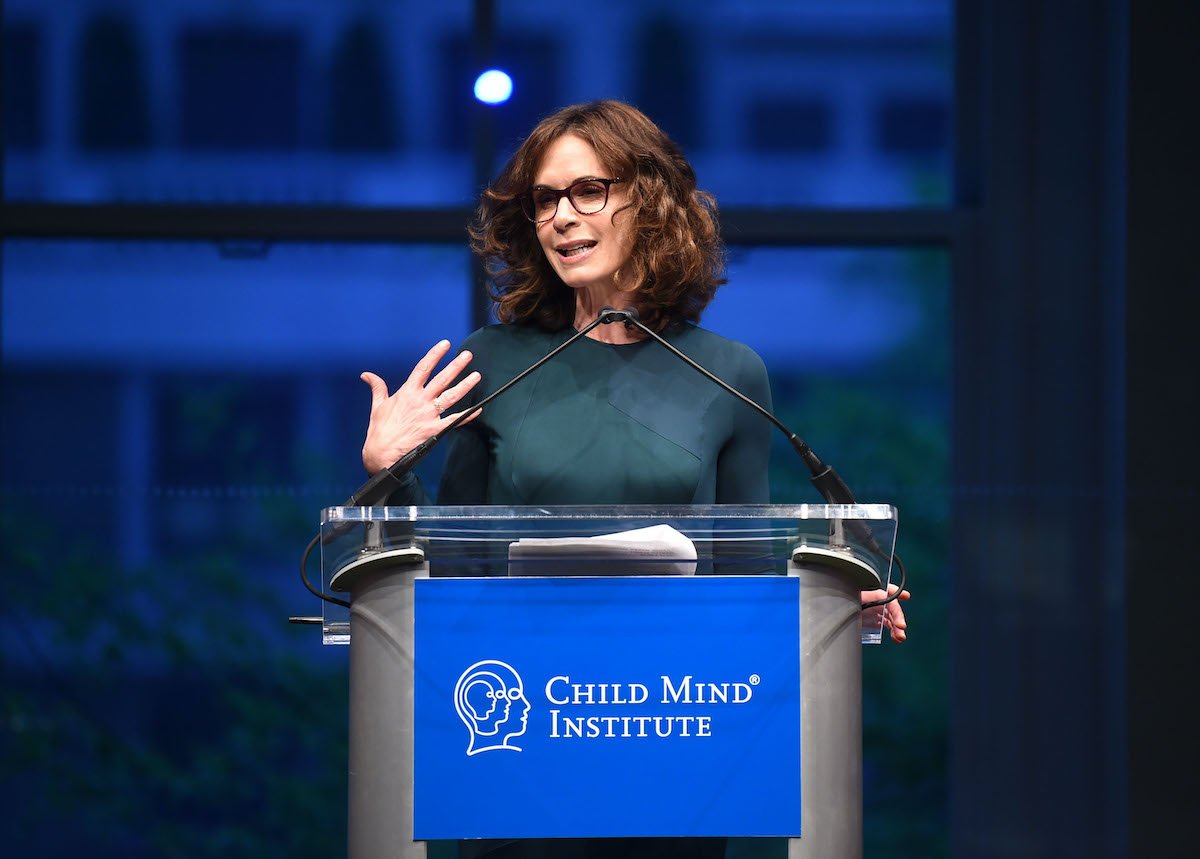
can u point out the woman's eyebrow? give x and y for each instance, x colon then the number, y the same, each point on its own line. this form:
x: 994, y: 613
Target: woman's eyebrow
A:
x: 542, y: 186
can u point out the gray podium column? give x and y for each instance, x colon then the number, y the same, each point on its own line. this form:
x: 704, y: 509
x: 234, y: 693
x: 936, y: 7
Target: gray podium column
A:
x: 381, y: 712
x: 831, y: 786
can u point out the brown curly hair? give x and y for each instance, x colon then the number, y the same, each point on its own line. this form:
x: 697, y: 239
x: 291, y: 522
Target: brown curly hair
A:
x: 677, y: 261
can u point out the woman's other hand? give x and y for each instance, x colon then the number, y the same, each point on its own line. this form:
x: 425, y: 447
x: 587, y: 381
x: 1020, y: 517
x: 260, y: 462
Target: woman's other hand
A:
x: 893, y: 613
x: 417, y: 410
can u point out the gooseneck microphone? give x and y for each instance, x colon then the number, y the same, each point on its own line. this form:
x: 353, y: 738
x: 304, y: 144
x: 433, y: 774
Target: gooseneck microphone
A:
x: 827, y: 481
x: 376, y: 490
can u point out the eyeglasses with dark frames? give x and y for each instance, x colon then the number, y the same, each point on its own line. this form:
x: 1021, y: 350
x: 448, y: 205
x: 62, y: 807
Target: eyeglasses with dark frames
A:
x: 588, y: 196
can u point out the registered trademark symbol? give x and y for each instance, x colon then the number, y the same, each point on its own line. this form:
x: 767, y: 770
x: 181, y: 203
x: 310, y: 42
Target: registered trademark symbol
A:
x: 755, y: 679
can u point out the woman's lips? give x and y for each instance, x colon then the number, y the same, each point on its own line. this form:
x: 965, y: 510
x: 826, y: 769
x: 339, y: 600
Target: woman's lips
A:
x: 575, y: 252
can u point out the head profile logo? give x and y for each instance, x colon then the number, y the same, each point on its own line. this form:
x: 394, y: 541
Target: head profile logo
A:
x: 490, y: 700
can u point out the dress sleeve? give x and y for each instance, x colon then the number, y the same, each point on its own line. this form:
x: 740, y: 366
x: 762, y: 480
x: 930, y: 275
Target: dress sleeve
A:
x: 742, y: 462
x: 465, y: 474
x: 409, y: 493
x: 468, y: 451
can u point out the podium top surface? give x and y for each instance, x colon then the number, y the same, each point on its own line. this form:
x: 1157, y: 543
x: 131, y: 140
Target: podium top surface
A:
x: 584, y: 513
x: 487, y: 540
x: 591, y: 540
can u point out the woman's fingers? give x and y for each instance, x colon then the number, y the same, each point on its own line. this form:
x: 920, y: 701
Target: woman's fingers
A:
x: 453, y: 417
x: 415, y: 411
x: 420, y: 374
x: 379, y: 388
x: 437, y: 389
x: 449, y: 373
x: 450, y: 396
x: 893, y: 614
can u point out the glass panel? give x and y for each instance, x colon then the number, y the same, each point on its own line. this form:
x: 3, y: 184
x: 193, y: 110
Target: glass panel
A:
x: 175, y: 416
x: 231, y: 307
x: 803, y: 103
x: 263, y: 101
x: 807, y: 103
x: 594, y: 540
x: 217, y: 377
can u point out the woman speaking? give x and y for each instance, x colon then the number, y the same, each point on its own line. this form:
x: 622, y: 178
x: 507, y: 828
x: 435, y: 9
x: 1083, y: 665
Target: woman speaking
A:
x: 597, y: 209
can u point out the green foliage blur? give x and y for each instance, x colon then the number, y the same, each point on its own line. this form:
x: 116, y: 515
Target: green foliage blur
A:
x: 167, y: 710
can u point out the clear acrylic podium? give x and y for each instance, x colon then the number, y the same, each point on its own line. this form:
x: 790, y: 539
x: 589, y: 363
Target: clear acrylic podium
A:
x: 376, y: 555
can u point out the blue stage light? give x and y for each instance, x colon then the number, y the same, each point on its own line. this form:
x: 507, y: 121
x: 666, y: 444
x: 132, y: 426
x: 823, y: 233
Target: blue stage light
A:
x: 493, y: 87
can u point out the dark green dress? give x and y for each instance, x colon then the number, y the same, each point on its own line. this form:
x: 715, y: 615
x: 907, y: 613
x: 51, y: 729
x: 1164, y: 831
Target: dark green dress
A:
x: 607, y: 424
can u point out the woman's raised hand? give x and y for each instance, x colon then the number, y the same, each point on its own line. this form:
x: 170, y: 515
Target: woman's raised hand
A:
x: 417, y: 410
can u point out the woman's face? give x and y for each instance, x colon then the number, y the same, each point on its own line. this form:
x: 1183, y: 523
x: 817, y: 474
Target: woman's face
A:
x: 586, y: 251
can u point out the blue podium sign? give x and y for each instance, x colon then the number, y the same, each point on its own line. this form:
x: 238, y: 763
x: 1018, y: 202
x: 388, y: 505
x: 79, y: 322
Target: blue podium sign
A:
x: 604, y: 707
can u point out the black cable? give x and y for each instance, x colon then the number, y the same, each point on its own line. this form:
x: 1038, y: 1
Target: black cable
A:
x: 900, y: 590
x: 304, y: 576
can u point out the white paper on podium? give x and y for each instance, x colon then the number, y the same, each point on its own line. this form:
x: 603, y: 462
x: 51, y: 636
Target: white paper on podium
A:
x: 659, y: 550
